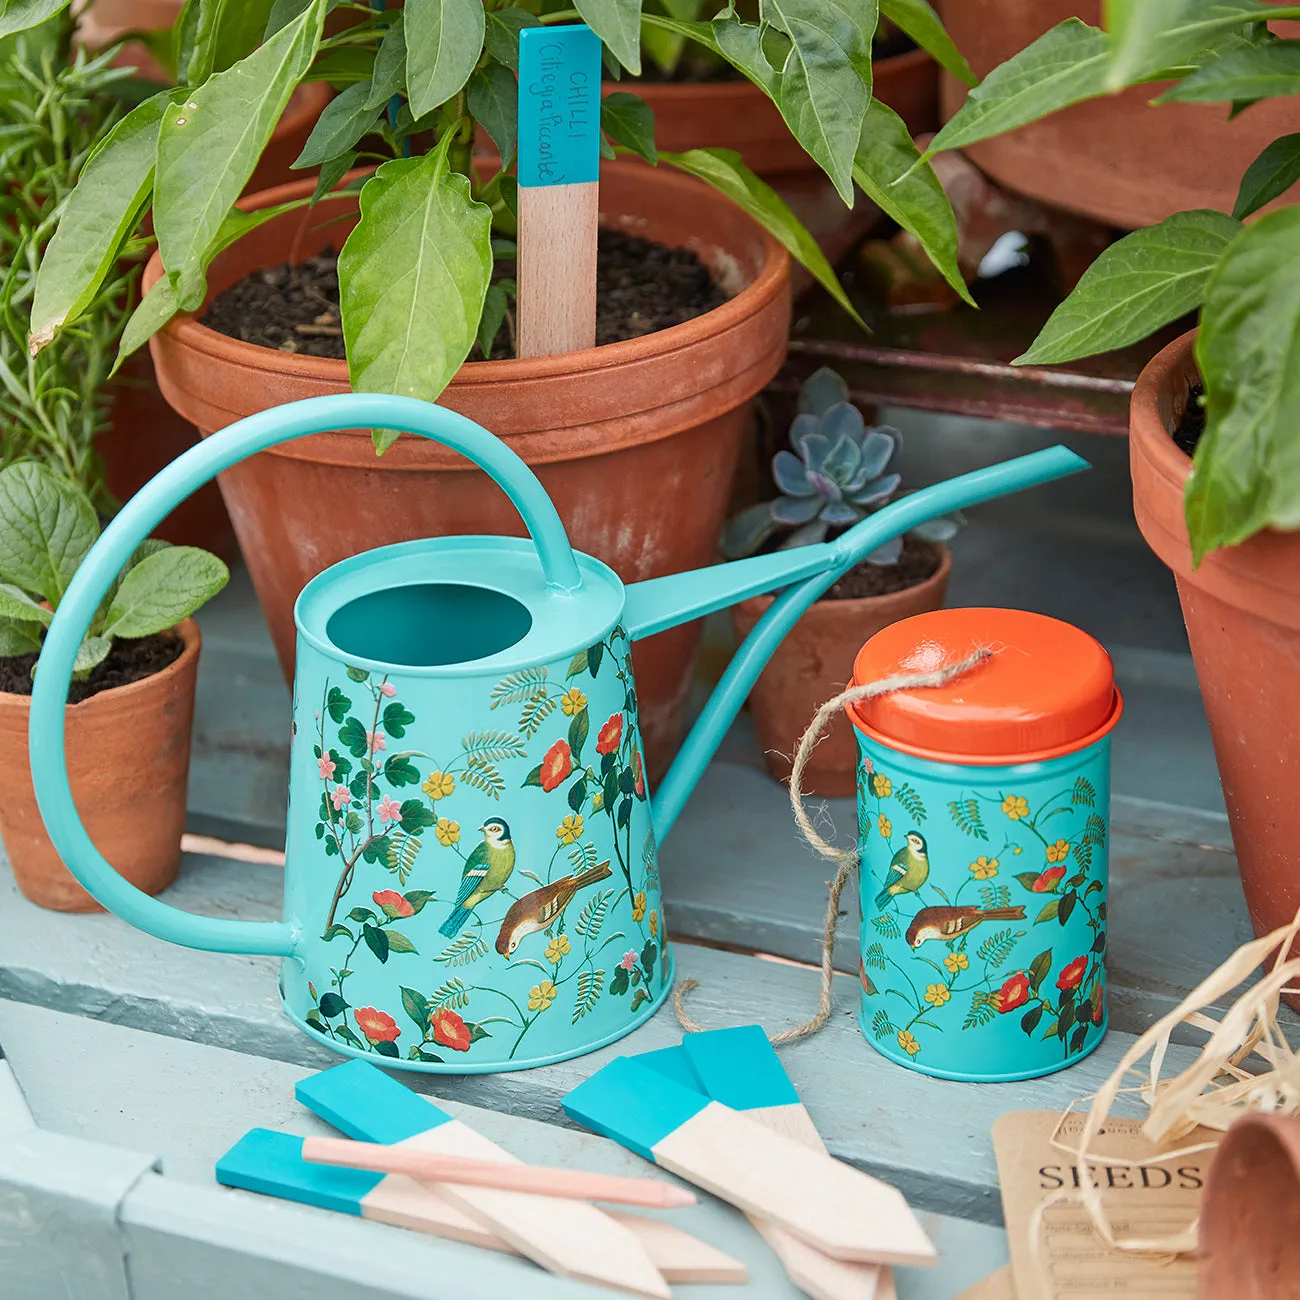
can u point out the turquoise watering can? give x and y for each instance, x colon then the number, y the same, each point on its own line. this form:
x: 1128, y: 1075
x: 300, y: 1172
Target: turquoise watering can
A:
x: 471, y: 875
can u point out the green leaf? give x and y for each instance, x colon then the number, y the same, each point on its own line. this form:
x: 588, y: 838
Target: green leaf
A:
x: 345, y: 119
x: 1038, y: 969
x: 888, y: 167
x: 1138, y: 284
x: 19, y: 638
x: 416, y: 816
x: 389, y: 75
x: 337, y: 704
x: 495, y: 305
x: 618, y: 24
x: 578, y: 664
x: 502, y: 34
x: 1246, y: 475
x: 417, y: 899
x: 825, y: 86
x: 443, y: 43
x: 724, y: 170
x: 361, y: 914
x: 17, y: 606
x: 337, y: 931
x: 400, y: 771
x: 1271, y: 174
x: 398, y: 942
x: 20, y: 15
x: 163, y: 589
x: 924, y: 26
x: 1067, y: 906
x: 382, y: 1047
x: 630, y: 121
x: 46, y: 527
x: 1252, y: 73
x: 414, y: 273
x: 377, y: 941
x: 1049, y: 912
x: 416, y: 1006
x: 1029, y: 1021
x: 331, y: 1005
x: 226, y: 31
x: 97, y: 217
x: 579, y: 728
x: 493, y: 100
x: 209, y: 145
x: 397, y: 717
x: 353, y: 735
x: 534, y: 777
x: 1138, y: 29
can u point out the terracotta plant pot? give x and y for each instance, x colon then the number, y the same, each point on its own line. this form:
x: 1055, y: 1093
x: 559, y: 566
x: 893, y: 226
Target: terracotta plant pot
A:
x: 1249, y: 1248
x: 128, y: 761
x: 814, y: 663
x: 636, y: 442
x: 1242, y: 610
x: 1116, y: 159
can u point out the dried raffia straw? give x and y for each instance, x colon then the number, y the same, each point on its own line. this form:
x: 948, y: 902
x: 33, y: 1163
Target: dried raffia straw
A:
x: 1210, y: 1093
x: 846, y: 860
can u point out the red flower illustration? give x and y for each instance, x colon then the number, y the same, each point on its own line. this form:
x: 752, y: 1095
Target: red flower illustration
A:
x: 378, y: 1026
x: 610, y: 734
x: 557, y: 764
x: 1100, y: 1001
x: 638, y: 776
x: 450, y: 1030
x: 1014, y: 993
x: 1048, y: 880
x: 392, y: 903
x: 1072, y: 976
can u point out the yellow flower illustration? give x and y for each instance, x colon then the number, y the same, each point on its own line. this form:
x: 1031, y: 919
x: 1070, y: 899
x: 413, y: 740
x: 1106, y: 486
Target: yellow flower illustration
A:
x: 1058, y: 852
x: 1016, y: 850
x: 597, y: 801
x: 1015, y: 806
x: 447, y: 832
x: 908, y: 1043
x: 573, y: 701
x: 937, y: 994
x: 638, y: 907
x: 984, y: 868
x: 956, y: 961
x: 885, y: 825
x: 654, y: 925
x: 438, y: 785
x: 881, y: 785
x: 557, y: 948
x: 569, y: 829
x: 540, y: 996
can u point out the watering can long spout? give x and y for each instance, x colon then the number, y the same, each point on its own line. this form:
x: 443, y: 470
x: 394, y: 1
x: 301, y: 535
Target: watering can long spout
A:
x: 661, y: 603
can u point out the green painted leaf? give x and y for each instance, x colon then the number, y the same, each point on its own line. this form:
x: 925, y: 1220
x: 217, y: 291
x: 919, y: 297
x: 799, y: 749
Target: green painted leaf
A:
x: 443, y: 43
x: 20, y: 15
x: 1247, y: 466
x: 361, y: 914
x: 1137, y: 285
x: 46, y: 528
x: 345, y: 119
x: 316, y: 1021
x: 389, y: 75
x: 924, y: 26
x: 824, y: 87
x: 398, y: 942
x: 888, y: 167
x: 353, y: 735
x: 630, y: 121
x: 1049, y: 912
x: 344, y: 1031
x: 209, y: 144
x: 618, y: 24
x: 1068, y: 901
x: 534, y: 777
x: 416, y: 816
x: 1029, y: 1021
x: 19, y: 638
x: 493, y: 99
x: 382, y: 1047
x: 579, y: 728
x: 400, y: 771
x: 337, y: 704
x: 1271, y: 174
x: 726, y: 172
x: 163, y: 589
x: 1038, y: 969
x: 1256, y: 72
x: 414, y: 272
x: 397, y: 717
x: 337, y: 931
x: 331, y: 1005
x: 416, y: 1006
x: 502, y: 34
x: 417, y: 899
x: 376, y: 940
x: 618, y: 985
x: 578, y: 664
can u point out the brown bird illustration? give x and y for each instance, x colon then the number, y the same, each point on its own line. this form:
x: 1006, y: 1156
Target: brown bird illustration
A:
x: 868, y: 985
x: 952, y: 922
x: 537, y: 911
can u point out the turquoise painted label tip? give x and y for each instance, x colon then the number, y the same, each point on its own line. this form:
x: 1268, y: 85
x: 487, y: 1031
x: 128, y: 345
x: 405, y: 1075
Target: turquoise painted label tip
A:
x: 559, y: 105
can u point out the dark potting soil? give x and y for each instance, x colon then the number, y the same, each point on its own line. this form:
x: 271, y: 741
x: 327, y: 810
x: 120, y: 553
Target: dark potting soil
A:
x: 127, y: 662
x: 1189, y: 431
x: 919, y: 561
x: 641, y: 287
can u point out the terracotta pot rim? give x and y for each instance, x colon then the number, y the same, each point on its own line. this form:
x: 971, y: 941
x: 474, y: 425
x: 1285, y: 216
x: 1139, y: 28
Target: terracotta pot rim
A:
x: 185, y: 329
x: 123, y: 695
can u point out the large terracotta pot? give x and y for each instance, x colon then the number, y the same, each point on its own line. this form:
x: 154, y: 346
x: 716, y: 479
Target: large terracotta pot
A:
x: 1248, y: 1245
x: 128, y: 761
x: 1117, y: 159
x: 813, y: 664
x: 636, y: 442
x: 1242, y: 610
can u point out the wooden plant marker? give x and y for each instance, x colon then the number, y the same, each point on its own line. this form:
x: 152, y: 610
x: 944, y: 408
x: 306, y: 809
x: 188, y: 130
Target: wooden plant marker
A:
x: 567, y: 1238
x: 822, y: 1201
x: 740, y: 1068
x: 559, y: 189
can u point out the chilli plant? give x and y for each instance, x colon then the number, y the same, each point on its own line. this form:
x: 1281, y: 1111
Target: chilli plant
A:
x: 836, y: 475
x: 1245, y: 279
x: 415, y: 86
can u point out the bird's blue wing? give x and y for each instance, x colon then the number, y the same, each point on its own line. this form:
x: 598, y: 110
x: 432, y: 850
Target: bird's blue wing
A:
x: 476, y: 867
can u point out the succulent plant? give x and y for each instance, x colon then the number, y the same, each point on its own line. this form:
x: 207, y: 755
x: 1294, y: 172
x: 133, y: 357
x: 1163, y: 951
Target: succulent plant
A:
x: 834, y: 477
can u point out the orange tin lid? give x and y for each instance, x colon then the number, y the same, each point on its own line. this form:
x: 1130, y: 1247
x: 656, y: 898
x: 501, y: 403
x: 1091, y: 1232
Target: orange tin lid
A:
x: 1049, y: 688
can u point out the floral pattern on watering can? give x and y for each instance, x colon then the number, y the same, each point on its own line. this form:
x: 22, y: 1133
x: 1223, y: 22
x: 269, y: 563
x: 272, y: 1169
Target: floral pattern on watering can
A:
x: 984, y: 911
x: 493, y: 905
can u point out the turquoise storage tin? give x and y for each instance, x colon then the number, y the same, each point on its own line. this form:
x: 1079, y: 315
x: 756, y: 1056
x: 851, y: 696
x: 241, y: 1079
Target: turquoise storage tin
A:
x: 983, y: 830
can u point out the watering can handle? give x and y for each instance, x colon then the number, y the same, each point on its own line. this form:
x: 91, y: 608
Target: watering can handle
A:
x: 135, y: 522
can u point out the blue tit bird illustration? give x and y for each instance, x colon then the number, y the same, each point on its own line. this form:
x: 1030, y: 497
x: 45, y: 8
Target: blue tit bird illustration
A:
x: 486, y: 870
x: 908, y: 870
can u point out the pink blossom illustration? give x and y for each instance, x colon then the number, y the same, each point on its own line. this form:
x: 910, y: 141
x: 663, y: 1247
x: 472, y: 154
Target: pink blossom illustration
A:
x: 389, y: 810
x: 375, y: 741
x: 325, y: 765
x: 629, y: 959
x: 340, y: 797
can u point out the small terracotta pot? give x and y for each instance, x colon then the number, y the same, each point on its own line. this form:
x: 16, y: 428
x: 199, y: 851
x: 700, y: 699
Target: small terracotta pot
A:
x: 128, y: 761
x: 1118, y: 158
x: 814, y: 663
x: 1242, y: 610
x: 1248, y: 1245
x: 636, y: 442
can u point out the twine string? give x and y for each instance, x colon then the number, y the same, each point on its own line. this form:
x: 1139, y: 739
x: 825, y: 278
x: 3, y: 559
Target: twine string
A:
x: 846, y: 860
